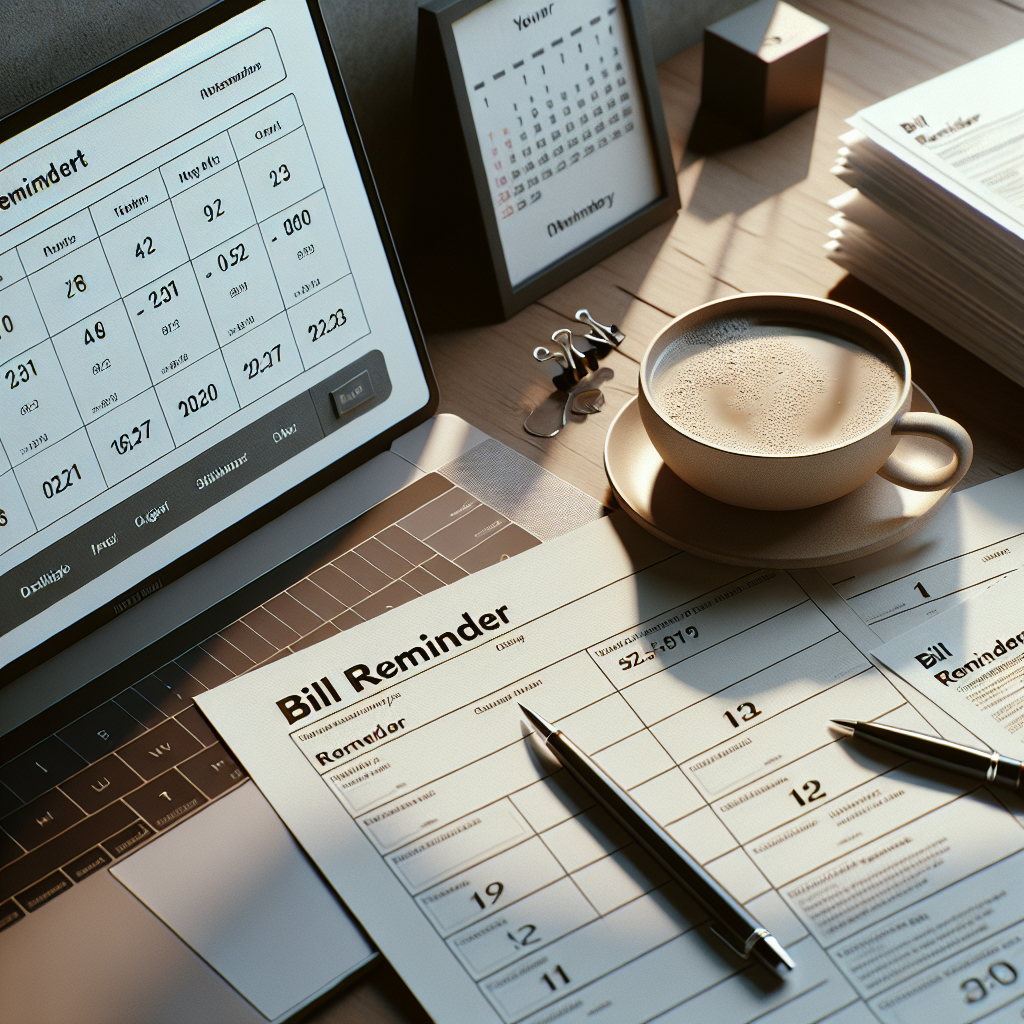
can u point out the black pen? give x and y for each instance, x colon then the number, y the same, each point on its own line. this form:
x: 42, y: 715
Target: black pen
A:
x: 981, y: 764
x: 732, y: 923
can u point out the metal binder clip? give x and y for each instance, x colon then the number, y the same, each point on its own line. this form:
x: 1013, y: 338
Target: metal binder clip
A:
x: 603, y: 338
x: 575, y: 362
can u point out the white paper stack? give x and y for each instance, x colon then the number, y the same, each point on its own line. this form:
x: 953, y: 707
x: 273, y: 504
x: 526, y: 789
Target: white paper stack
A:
x: 934, y: 217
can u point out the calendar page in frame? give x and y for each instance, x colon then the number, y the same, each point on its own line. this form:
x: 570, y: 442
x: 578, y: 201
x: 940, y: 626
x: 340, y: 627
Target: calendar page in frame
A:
x: 558, y: 110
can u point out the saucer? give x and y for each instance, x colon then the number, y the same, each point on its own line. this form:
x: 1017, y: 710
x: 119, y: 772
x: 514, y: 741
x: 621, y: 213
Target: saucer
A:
x: 877, y: 514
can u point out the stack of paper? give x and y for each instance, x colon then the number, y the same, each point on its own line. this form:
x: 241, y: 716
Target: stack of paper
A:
x: 934, y: 218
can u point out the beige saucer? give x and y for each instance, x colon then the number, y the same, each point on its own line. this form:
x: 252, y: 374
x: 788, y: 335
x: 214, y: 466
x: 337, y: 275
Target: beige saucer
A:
x: 870, y: 518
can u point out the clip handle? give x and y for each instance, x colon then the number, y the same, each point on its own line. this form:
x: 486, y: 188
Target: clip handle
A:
x: 607, y: 337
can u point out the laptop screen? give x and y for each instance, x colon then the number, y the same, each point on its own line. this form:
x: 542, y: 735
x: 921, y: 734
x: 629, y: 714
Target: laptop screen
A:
x: 200, y: 311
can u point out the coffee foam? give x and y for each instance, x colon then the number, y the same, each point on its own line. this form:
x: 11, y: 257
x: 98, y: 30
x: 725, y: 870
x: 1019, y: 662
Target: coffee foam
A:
x: 772, y: 390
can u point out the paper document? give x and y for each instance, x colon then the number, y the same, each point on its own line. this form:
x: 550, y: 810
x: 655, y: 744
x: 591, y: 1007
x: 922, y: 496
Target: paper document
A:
x: 970, y: 661
x: 395, y: 753
x: 965, y: 131
x: 975, y: 539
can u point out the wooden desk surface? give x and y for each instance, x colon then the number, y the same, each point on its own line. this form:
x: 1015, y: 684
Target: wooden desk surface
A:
x: 754, y: 218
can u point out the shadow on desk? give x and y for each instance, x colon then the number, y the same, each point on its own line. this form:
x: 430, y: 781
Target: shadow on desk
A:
x: 781, y: 159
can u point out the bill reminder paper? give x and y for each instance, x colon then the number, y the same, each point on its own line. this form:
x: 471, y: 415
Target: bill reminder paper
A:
x: 396, y: 754
x: 970, y: 661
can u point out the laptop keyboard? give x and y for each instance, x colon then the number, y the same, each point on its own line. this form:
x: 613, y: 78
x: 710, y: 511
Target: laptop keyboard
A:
x: 140, y: 762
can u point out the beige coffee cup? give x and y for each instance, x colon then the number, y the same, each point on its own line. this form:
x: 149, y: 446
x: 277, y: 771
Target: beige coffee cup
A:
x: 756, y: 479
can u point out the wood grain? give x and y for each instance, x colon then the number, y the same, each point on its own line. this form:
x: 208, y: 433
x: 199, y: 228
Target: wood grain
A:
x: 754, y: 218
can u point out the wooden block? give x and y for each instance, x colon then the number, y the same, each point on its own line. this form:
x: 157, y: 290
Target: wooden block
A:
x: 764, y: 65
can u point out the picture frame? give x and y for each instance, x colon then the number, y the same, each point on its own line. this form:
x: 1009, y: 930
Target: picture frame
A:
x: 540, y: 149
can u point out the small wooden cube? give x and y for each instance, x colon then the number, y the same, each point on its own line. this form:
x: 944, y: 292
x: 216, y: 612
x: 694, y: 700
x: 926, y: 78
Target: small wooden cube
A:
x: 764, y: 65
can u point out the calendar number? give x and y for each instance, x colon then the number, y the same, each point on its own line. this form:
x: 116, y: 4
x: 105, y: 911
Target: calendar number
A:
x: 280, y: 176
x: 132, y: 439
x: 556, y: 978
x: 6, y: 325
x: 144, y: 248
x: 524, y: 936
x: 97, y: 331
x: 193, y: 403
x: 75, y: 285
x: 236, y: 254
x: 3, y: 517
x: 61, y: 482
x: 493, y: 890
x: 213, y: 210
x: 164, y: 294
x: 21, y: 374
x: 747, y: 712
x: 296, y: 223
x: 322, y: 327
x: 260, y: 364
x: 813, y: 791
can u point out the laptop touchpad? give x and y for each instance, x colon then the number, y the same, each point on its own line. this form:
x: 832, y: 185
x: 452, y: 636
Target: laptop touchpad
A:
x: 232, y: 882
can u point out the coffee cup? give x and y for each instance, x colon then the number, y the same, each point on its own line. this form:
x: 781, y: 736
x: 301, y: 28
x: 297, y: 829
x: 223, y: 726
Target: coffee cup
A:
x: 776, y: 401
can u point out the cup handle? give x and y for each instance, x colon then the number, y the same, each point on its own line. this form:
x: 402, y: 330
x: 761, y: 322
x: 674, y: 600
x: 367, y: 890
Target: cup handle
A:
x: 919, y: 476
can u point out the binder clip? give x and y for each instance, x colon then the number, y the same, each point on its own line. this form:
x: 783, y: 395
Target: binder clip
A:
x: 575, y: 364
x: 604, y: 339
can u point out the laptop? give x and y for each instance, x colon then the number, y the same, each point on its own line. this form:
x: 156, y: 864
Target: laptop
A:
x: 217, y: 446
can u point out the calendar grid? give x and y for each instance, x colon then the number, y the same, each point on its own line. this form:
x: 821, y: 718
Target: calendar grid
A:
x: 110, y: 318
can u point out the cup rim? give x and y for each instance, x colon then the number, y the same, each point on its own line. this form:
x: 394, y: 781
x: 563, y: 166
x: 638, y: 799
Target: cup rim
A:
x: 669, y: 333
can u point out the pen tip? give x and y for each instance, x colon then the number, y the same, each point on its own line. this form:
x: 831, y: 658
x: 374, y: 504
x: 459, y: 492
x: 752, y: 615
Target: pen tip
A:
x: 544, y: 729
x: 771, y: 953
x: 844, y: 725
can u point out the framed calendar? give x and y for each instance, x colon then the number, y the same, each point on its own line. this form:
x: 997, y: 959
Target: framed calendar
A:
x: 541, y: 148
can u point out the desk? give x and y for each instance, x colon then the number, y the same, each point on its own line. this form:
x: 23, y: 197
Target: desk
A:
x: 754, y: 218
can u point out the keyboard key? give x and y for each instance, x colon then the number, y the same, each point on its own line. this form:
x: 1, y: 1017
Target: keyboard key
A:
x: 127, y: 839
x: 445, y: 571
x: 325, y: 631
x: 193, y: 720
x: 389, y: 562
x: 437, y: 514
x: 422, y: 581
x: 46, y: 765
x: 214, y: 771
x: 42, y: 819
x: 101, y: 783
x: 504, y: 544
x: 336, y: 583
x: 161, y: 748
x: 347, y: 619
x: 171, y: 689
x: 318, y: 601
x: 367, y: 576
x: 248, y: 641
x: 198, y: 664
x: 227, y: 654
x: 390, y: 597
x: 8, y: 801
x: 42, y: 892
x: 413, y: 551
x: 467, y: 532
x: 271, y: 628
x: 165, y: 800
x: 9, y: 913
x: 67, y: 846
x: 139, y: 708
x: 9, y: 849
x: 293, y: 614
x: 90, y: 861
x: 101, y: 731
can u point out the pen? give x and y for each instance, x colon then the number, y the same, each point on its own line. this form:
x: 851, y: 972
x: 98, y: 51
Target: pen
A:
x: 992, y: 767
x: 732, y: 923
